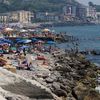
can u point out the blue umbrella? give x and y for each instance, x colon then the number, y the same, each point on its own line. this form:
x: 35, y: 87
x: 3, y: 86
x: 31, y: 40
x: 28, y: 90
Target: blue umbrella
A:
x: 24, y: 41
x: 51, y: 42
x: 6, y: 41
x: 2, y: 43
x: 24, y: 47
x: 18, y: 39
x: 34, y: 39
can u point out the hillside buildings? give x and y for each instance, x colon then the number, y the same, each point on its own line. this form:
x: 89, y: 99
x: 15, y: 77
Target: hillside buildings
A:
x: 72, y: 12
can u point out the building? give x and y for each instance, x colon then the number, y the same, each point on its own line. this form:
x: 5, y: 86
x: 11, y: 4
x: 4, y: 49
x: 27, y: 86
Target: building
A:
x: 17, y: 17
x: 98, y: 17
x: 69, y: 10
x: 45, y: 16
x: 91, y: 13
x: 81, y: 12
x: 72, y: 12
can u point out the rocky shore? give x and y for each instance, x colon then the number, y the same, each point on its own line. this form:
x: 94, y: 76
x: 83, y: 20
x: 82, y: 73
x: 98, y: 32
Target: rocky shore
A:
x: 70, y: 77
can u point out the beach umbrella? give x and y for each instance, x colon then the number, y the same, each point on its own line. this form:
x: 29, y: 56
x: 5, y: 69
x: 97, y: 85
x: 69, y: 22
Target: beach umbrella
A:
x: 13, y: 48
x: 8, y: 29
x: 24, y: 41
x: 6, y: 41
x: 24, y: 47
x: 40, y: 41
x: 51, y: 42
x: 34, y: 39
x: 46, y: 30
x: 23, y: 30
x: 31, y: 30
x: 3, y: 43
x: 18, y: 39
x: 1, y: 51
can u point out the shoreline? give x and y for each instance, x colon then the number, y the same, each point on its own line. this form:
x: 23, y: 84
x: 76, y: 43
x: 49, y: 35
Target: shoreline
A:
x: 66, y: 24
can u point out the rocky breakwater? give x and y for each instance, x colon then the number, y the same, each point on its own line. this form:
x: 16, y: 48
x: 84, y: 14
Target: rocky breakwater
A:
x: 71, y: 77
x: 15, y: 87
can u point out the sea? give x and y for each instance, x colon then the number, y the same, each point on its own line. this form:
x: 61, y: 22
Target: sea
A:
x: 88, y: 39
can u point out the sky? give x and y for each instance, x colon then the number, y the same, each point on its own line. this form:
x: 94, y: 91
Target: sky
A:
x: 86, y: 1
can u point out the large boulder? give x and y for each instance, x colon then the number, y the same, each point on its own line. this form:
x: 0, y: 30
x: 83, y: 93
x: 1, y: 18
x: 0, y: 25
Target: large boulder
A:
x: 80, y: 91
x: 92, y: 95
x: 17, y: 85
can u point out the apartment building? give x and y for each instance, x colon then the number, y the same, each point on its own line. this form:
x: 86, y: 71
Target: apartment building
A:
x: 17, y: 17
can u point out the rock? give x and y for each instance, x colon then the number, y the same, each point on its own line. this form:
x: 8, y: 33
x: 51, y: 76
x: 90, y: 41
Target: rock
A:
x: 57, y: 74
x: 92, y: 95
x: 54, y: 76
x: 70, y: 97
x: 80, y: 91
x: 56, y: 86
x: 81, y: 72
x: 49, y: 80
x: 15, y: 84
x: 68, y: 58
x: 2, y: 98
x: 66, y: 88
x: 61, y: 93
x: 16, y: 98
x: 58, y: 91
x: 75, y: 76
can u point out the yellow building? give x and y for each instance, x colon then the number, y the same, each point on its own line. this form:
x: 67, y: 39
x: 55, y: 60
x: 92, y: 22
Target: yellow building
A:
x: 17, y: 16
x: 22, y: 16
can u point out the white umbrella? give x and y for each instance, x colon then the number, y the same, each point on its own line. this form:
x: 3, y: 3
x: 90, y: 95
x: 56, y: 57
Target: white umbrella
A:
x: 23, y: 30
x: 8, y: 29
x: 46, y: 30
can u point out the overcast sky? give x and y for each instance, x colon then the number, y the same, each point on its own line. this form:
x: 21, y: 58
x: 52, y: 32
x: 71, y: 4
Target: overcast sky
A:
x: 86, y: 1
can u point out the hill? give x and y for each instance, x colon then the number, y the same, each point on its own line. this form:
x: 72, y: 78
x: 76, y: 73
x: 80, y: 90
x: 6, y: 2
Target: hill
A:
x: 33, y: 5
